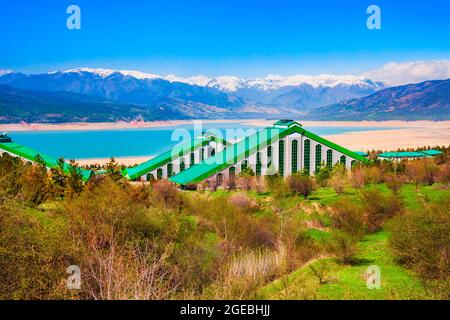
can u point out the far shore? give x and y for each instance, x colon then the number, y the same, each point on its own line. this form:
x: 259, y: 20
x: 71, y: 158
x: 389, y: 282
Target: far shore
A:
x: 404, y: 134
x: 78, y: 126
x: 413, y: 134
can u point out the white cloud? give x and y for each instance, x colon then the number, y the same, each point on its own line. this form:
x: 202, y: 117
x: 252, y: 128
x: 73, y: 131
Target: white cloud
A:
x: 410, y: 72
x: 2, y: 72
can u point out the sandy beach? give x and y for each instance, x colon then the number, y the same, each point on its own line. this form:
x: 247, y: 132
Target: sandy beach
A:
x: 404, y: 134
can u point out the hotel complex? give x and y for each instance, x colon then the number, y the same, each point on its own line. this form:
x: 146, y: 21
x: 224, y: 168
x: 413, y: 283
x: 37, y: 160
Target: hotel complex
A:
x: 284, y: 149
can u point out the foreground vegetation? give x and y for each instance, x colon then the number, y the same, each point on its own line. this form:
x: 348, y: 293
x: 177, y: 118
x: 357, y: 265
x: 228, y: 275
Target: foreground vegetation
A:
x: 252, y: 238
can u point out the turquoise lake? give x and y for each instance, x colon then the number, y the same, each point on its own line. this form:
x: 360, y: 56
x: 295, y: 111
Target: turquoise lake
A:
x: 132, y: 142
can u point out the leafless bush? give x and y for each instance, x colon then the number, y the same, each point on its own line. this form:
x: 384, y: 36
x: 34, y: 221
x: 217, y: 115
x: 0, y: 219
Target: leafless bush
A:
x: 358, y: 178
x: 339, y: 179
x: 166, y: 193
x: 301, y: 184
x: 246, y: 182
x: 243, y: 201
x: 394, y: 182
x: 348, y: 217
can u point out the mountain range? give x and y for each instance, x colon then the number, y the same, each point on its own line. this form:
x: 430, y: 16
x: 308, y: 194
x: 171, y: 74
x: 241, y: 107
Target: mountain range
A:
x: 110, y: 95
x: 426, y: 100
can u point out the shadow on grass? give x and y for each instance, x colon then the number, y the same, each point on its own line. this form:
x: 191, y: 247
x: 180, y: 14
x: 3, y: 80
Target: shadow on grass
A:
x: 361, y: 261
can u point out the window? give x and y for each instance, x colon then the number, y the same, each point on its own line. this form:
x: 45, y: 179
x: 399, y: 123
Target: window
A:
x: 281, y: 158
x: 244, y: 165
x: 258, y: 164
x: 307, y: 156
x: 213, y: 152
x: 219, y: 179
x: 202, y: 154
x: 329, y: 158
x: 343, y: 160
x: 159, y: 174
x: 232, y: 173
x: 192, y: 160
x: 353, y: 163
x: 169, y: 170
x: 294, y: 156
x: 150, y: 177
x: 318, y: 156
x: 182, y: 165
x: 269, y: 156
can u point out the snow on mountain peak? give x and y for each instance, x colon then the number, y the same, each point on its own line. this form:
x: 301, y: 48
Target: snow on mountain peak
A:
x: 108, y: 72
x: 232, y: 83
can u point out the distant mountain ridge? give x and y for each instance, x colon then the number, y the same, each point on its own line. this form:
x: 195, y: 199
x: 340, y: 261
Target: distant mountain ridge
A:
x: 111, y: 95
x: 425, y: 100
x: 289, y: 95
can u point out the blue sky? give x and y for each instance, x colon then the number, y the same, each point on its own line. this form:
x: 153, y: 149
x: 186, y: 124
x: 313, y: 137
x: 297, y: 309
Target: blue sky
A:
x: 215, y: 37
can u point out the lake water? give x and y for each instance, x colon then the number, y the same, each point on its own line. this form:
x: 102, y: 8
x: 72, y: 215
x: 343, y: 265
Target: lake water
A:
x: 134, y: 142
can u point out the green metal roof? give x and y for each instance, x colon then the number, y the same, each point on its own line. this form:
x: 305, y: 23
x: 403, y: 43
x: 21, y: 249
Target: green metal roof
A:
x: 410, y: 154
x: 361, y: 153
x: 244, y: 148
x: 169, y: 156
x: 30, y: 154
x: 286, y: 123
x: 432, y: 152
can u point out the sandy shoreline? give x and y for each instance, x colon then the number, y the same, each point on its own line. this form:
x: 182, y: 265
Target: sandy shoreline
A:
x: 404, y: 134
x: 78, y: 126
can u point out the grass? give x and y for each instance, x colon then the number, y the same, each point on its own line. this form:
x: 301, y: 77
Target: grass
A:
x: 348, y: 281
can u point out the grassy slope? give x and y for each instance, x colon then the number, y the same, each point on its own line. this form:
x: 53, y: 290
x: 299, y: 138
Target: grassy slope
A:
x: 348, y: 282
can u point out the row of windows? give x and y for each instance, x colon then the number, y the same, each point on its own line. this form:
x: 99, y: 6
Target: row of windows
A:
x: 281, y: 160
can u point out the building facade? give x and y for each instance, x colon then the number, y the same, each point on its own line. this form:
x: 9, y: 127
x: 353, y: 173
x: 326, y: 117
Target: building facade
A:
x: 284, y: 149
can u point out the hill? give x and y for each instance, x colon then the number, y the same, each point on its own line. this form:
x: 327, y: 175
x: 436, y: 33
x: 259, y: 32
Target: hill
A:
x: 425, y: 100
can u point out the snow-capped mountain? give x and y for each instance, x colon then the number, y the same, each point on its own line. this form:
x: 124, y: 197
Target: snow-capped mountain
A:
x: 293, y: 95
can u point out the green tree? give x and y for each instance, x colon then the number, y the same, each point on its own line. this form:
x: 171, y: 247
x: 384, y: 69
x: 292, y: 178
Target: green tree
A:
x: 113, y: 170
x: 59, y: 179
x: 35, y: 186
x: 74, y: 180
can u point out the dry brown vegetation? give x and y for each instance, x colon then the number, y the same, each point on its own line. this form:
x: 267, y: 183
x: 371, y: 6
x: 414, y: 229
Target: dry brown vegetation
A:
x: 153, y: 241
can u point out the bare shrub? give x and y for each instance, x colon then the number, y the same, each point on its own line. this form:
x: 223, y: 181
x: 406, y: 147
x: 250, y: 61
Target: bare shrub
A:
x: 339, y: 179
x: 394, y: 182
x: 246, y: 182
x: 301, y: 184
x: 242, y: 201
x: 358, y: 178
x: 443, y: 175
x: 430, y: 171
x: 213, y: 184
x: 246, y: 272
x: 348, y: 217
x: 230, y: 183
x: 165, y: 193
x: 379, y: 208
x: 321, y: 269
x: 423, y: 171
x: 260, y: 185
x: 343, y: 246
x: 420, y: 240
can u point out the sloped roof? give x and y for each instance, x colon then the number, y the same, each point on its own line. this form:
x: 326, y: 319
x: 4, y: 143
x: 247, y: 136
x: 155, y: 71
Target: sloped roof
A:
x: 170, y: 155
x: 30, y: 154
x: 361, y: 153
x: 250, y: 145
x: 432, y: 152
x: 409, y: 154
